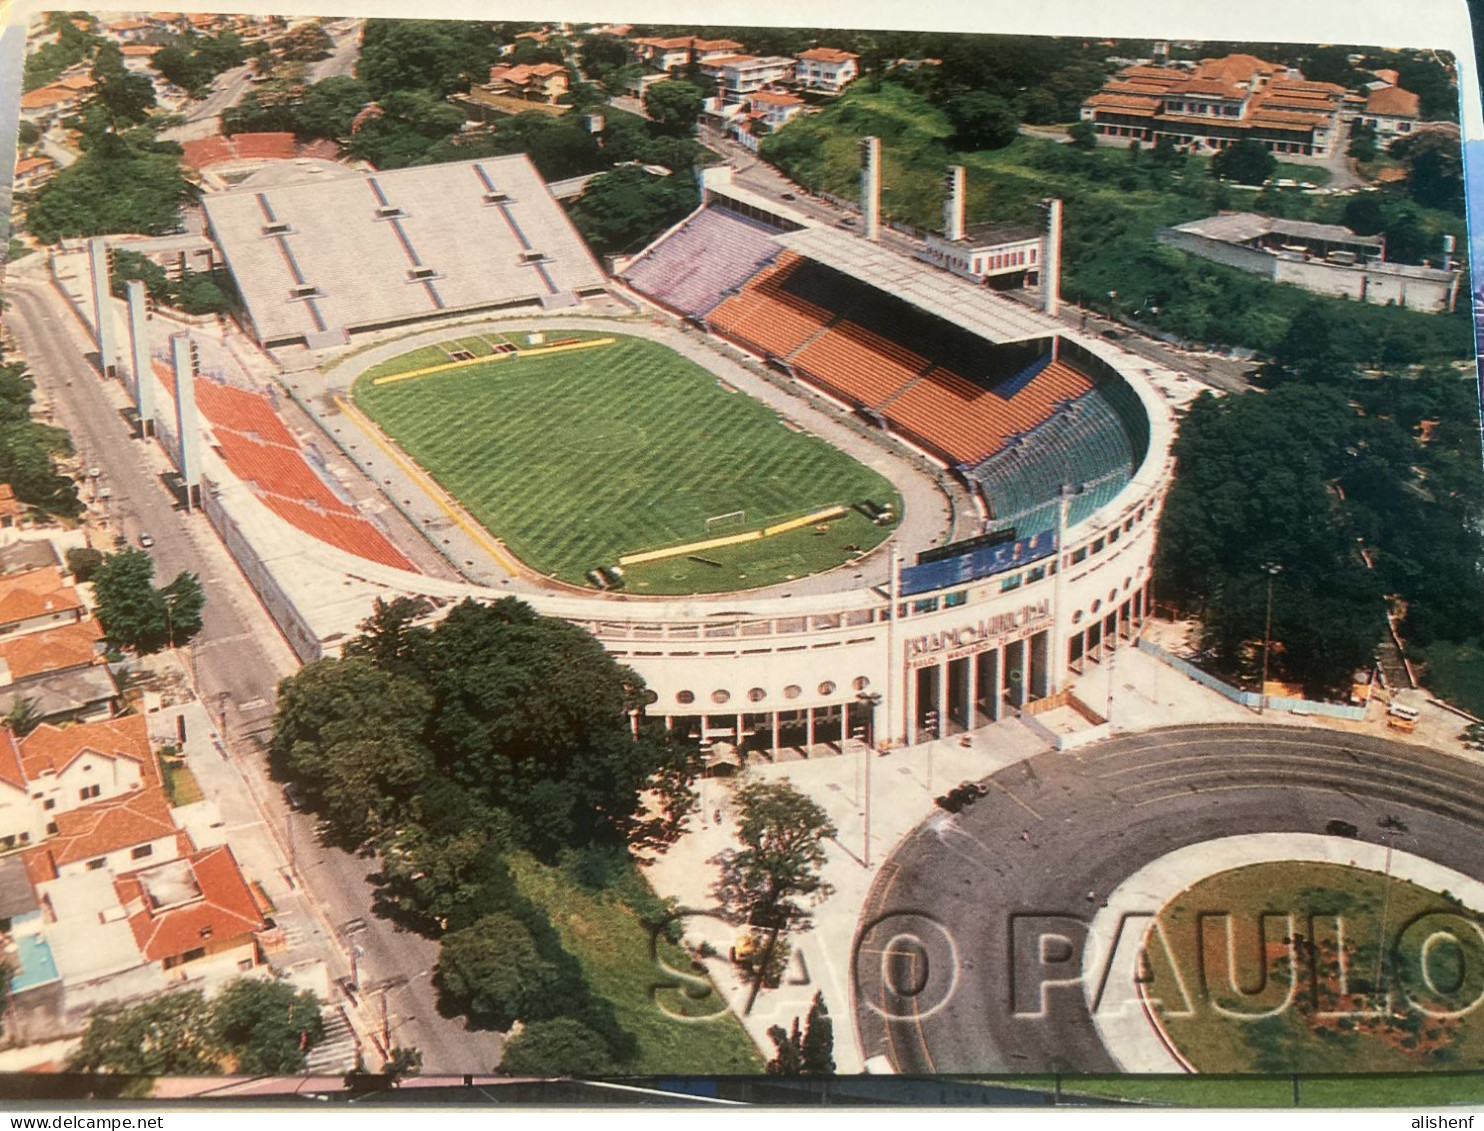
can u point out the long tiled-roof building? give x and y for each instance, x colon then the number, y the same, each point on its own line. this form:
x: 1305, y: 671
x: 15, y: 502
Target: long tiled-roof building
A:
x: 1219, y: 103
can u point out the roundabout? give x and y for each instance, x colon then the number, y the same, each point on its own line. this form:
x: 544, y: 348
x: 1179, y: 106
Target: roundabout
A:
x: 983, y: 946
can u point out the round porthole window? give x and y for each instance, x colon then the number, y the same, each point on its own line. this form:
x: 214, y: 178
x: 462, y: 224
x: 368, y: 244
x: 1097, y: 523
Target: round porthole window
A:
x: 792, y: 691
x: 684, y: 697
x: 720, y: 696
x: 860, y: 683
x: 826, y: 688
x: 757, y: 695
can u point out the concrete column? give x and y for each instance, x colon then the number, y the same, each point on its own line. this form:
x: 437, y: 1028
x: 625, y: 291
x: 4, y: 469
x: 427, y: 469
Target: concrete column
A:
x: 809, y: 727
x: 1051, y: 267
x: 739, y: 730
x: 943, y: 716
x: 1023, y: 695
x: 871, y: 187
x: 775, y: 730
x: 996, y: 684
x: 187, y: 421
x: 144, y: 376
x: 103, y: 330
x: 973, y: 715
x: 953, y: 203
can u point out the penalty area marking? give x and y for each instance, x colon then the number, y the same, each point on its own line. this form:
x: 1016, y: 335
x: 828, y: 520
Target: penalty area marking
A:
x: 430, y: 370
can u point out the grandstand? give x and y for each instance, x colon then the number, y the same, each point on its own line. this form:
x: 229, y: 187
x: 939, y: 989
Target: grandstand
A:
x: 965, y: 376
x: 317, y: 260
x: 712, y: 254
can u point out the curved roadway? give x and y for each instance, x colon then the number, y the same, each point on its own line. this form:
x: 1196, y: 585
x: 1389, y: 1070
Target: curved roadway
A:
x: 949, y: 972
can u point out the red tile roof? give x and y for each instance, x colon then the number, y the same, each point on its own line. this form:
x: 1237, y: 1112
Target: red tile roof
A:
x: 132, y: 50
x: 45, y: 96
x: 223, y: 910
x: 110, y: 826
x: 11, y: 772
x: 206, y: 151
x: 52, y: 748
x: 57, y: 649
x: 1393, y: 101
x: 827, y: 55
x: 34, y: 594
x: 22, y: 167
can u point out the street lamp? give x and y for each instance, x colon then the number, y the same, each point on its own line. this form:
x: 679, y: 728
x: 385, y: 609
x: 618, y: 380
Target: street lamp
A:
x: 1273, y: 570
x: 869, y: 700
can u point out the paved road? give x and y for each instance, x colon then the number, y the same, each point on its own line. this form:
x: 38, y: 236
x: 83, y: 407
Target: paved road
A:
x: 936, y: 978
x: 342, y: 60
x: 237, y: 654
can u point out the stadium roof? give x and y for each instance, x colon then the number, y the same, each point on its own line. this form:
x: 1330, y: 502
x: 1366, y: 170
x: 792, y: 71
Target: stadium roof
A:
x: 1239, y: 227
x: 927, y: 288
x: 317, y: 259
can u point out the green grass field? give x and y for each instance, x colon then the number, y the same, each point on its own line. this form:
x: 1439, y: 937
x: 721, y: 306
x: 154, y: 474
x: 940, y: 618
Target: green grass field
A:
x: 613, y: 945
x: 574, y: 459
x: 1335, y: 1019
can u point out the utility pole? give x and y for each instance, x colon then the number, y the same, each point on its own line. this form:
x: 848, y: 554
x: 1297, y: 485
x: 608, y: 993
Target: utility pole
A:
x: 1273, y: 570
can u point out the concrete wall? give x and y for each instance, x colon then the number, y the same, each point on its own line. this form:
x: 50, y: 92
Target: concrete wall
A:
x: 1242, y: 258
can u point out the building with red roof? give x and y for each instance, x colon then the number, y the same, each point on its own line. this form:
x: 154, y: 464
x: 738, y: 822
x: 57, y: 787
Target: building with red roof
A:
x: 539, y: 82
x: 38, y: 599
x: 120, y: 834
x: 1219, y: 103
x: 827, y: 69
x: 197, y: 909
x: 1391, y: 111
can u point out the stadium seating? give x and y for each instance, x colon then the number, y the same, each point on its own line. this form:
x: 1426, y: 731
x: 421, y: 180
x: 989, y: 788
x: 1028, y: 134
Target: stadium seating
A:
x: 765, y: 318
x: 276, y: 470
x: 228, y: 407
x: 347, y: 532
x: 1089, y: 441
x: 859, y: 365
x: 712, y: 254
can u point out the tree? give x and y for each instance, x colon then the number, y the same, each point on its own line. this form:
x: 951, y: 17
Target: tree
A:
x: 623, y: 210
x: 402, y: 1062
x: 117, y: 189
x: 1363, y: 214
x: 673, y: 106
x: 201, y: 292
x: 602, y: 55
x: 349, y: 734
x: 493, y: 973
x: 1362, y: 142
x: 23, y: 717
x: 27, y: 133
x: 170, y: 1035
x: 777, y: 871
x: 818, y: 1048
x: 1434, y: 164
x: 267, y: 1027
x: 788, y: 1051
x: 184, y: 601
x: 126, y: 98
x: 1247, y: 162
x: 136, y: 615
x: 981, y: 121
x: 84, y: 561
x: 306, y: 43
x: 558, y: 1047
x: 410, y: 124
x: 433, y: 57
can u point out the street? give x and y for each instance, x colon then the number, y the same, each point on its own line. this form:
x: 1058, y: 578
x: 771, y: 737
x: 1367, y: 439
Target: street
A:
x: 237, y: 661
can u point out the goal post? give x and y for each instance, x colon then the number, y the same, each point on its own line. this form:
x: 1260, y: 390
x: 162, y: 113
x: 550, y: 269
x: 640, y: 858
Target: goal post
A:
x: 728, y: 521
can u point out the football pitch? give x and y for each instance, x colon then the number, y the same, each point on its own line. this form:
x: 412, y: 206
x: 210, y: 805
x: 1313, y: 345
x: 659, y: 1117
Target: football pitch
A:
x: 579, y: 448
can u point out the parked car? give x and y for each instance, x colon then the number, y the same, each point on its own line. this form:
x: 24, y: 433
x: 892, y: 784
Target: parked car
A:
x: 146, y: 541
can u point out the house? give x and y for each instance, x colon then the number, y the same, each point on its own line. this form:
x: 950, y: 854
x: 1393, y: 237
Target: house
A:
x: 740, y: 75
x: 195, y: 911
x: 1001, y: 255
x: 30, y: 174
x: 129, y: 30
x: 775, y: 107
x: 46, y: 104
x: 68, y: 767
x: 59, y: 672
x: 138, y: 57
x: 119, y: 835
x: 664, y: 54
x: 827, y: 69
x: 539, y: 82
x: 38, y: 599
x: 11, y: 508
x: 1391, y: 112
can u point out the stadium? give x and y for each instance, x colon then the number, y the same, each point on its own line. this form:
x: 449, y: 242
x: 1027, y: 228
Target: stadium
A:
x: 394, y: 310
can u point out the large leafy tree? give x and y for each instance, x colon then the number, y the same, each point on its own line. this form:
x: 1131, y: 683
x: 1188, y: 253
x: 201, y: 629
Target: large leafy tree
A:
x: 981, y: 120
x: 673, y: 105
x: 267, y: 1027
x: 558, y: 1047
x: 493, y: 973
x: 137, y: 615
x: 348, y: 733
x: 170, y: 1035
x: 1247, y: 162
x: 437, y: 57
x: 116, y: 188
x: 776, y: 873
x: 624, y: 209
x: 409, y: 125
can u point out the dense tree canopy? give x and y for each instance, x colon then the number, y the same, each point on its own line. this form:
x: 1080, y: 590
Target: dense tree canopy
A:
x: 135, y: 614
x: 673, y: 105
x: 435, y: 57
x: 267, y: 1027
x: 1247, y: 162
x: 622, y: 210
x: 28, y: 448
x: 493, y: 973
x: 558, y: 1047
x: 120, y: 189
x: 981, y: 121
